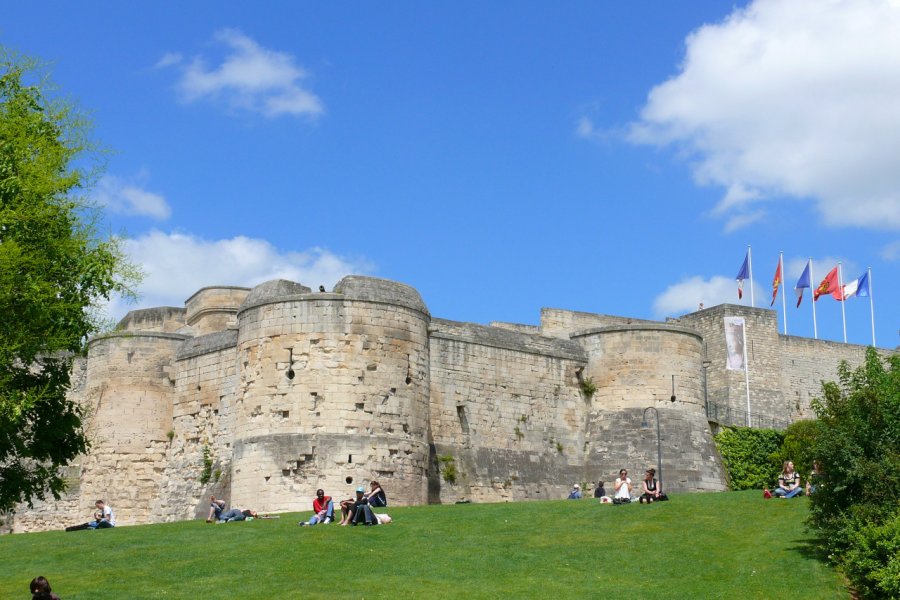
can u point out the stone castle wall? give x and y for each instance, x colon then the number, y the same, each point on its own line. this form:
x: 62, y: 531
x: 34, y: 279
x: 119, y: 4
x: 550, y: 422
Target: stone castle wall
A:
x: 261, y: 396
x: 356, y: 406
x: 506, y: 412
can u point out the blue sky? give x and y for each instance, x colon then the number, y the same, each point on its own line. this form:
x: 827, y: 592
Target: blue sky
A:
x: 499, y: 157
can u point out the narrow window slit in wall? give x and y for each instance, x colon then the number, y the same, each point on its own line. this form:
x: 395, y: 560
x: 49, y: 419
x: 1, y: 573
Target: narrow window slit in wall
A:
x: 463, y: 421
x: 350, y: 459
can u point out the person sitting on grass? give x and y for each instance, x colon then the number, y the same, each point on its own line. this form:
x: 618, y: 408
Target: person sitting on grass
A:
x: 650, y: 488
x: 788, y: 482
x: 104, y: 517
x: 323, y: 509
x: 216, y: 506
x: 376, y: 495
x: 599, y: 491
x: 814, y: 476
x: 575, y: 494
x: 348, y: 506
x: 40, y: 589
x: 623, y: 486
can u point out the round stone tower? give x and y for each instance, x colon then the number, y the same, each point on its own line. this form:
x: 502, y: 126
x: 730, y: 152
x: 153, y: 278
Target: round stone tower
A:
x: 213, y: 309
x: 638, y: 366
x: 332, y: 393
x: 129, y: 390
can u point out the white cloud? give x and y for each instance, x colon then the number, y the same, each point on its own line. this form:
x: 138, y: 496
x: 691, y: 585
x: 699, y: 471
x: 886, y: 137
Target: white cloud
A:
x: 128, y: 198
x: 249, y: 78
x: 742, y: 220
x: 891, y: 252
x: 585, y: 128
x: 791, y: 98
x: 177, y: 264
x: 686, y: 296
x: 168, y: 59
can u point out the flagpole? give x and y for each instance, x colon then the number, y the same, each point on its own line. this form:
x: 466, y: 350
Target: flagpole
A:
x: 783, y: 291
x: 812, y: 279
x: 871, y: 306
x: 750, y: 268
x: 841, y: 288
x: 746, y: 369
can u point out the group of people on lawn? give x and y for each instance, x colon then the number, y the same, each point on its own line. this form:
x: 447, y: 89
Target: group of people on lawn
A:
x: 354, y: 511
x: 651, y: 489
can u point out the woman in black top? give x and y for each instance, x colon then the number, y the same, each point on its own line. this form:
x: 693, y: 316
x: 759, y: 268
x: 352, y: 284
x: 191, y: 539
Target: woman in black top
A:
x: 376, y: 495
x: 650, y: 488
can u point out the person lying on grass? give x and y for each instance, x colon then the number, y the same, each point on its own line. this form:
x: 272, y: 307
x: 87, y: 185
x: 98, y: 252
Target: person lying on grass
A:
x: 236, y: 514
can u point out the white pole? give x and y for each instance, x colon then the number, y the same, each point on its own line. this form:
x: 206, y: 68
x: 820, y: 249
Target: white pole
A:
x: 783, y: 290
x: 812, y: 282
x: 843, y: 300
x: 750, y: 268
x: 871, y: 306
x: 746, y: 369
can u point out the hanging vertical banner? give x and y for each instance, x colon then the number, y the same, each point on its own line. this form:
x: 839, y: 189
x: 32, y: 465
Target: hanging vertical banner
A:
x: 734, y: 343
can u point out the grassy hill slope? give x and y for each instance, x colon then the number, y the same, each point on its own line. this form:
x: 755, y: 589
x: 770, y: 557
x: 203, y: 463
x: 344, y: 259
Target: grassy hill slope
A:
x: 729, y: 545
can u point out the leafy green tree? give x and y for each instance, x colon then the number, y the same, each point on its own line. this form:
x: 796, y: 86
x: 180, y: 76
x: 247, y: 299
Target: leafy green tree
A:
x: 856, y: 503
x: 798, y: 445
x: 750, y: 456
x: 54, y: 271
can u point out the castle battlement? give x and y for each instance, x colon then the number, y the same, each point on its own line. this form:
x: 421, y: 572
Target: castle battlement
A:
x: 263, y: 395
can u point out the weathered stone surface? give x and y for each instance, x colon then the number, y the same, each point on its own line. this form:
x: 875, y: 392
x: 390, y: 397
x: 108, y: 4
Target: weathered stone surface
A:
x: 262, y: 396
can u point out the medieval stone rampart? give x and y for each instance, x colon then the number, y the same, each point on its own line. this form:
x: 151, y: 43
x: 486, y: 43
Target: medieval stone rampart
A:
x: 262, y: 395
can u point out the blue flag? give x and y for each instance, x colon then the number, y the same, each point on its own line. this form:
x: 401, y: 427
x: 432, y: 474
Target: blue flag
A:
x: 863, y: 289
x: 743, y: 274
x: 803, y: 282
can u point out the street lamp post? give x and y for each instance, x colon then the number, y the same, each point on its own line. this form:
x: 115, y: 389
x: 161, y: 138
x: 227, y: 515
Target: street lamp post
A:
x: 645, y: 425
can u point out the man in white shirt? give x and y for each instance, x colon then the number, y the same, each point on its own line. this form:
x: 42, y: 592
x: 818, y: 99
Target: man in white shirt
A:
x: 623, y: 486
x: 104, y: 517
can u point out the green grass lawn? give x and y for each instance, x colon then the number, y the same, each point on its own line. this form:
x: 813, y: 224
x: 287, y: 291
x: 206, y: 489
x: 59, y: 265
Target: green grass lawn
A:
x: 728, y: 545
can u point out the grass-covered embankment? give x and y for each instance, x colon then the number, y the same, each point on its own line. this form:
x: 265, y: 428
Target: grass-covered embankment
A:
x: 729, y: 545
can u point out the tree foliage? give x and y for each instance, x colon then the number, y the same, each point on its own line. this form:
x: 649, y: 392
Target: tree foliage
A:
x: 54, y: 270
x: 856, y: 504
x: 798, y: 447
x: 751, y: 456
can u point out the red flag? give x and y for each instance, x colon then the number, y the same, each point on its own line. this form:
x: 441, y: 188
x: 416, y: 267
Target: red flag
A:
x: 829, y: 285
x: 776, y: 282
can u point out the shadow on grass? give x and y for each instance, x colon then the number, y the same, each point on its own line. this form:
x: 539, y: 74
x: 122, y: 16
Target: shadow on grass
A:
x: 813, y: 548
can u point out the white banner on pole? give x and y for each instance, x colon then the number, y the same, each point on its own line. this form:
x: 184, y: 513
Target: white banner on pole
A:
x: 734, y: 343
